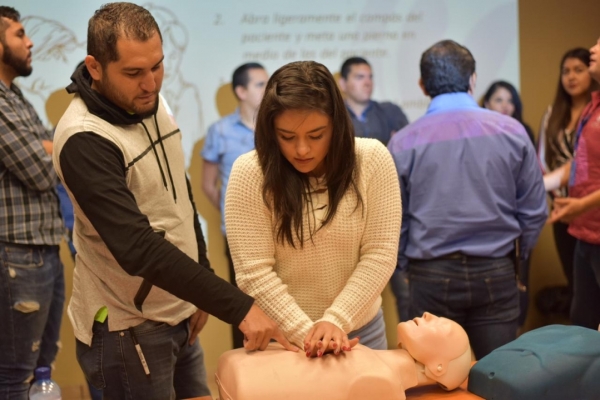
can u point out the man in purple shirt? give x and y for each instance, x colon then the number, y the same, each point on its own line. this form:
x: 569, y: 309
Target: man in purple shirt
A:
x: 470, y: 187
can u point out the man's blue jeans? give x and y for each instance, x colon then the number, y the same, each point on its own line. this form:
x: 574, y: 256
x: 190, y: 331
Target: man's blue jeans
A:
x: 32, y: 294
x: 399, y: 285
x: 585, y: 308
x: 479, y: 293
x: 174, y: 369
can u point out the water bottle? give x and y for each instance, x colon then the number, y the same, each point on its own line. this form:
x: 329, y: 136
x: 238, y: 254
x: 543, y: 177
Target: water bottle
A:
x: 44, y: 388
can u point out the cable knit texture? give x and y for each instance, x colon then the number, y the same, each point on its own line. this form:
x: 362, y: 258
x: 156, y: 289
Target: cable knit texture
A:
x: 338, y: 276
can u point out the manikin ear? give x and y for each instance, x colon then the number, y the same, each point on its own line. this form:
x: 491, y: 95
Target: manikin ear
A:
x: 472, y: 83
x: 456, y: 371
x: 94, y: 68
x: 422, y: 86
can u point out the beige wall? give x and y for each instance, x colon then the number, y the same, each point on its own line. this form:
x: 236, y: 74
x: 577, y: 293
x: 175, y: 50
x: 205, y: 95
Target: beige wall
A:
x: 547, y: 29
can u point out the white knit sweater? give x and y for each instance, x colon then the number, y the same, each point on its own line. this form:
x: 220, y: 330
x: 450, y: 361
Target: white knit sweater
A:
x: 339, y: 276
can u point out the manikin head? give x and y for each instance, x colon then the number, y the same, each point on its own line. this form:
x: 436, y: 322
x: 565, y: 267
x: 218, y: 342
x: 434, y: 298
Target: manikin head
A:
x: 441, y: 345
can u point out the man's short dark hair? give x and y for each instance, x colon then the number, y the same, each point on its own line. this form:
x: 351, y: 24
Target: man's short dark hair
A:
x: 446, y: 67
x: 241, y: 77
x: 113, y: 21
x: 8, y: 13
x: 347, y: 65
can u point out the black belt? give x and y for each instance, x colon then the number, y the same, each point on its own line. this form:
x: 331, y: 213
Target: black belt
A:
x: 457, y: 255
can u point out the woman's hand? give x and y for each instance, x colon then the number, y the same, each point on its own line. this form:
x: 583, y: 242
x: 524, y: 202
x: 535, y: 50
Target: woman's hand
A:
x: 325, y: 337
x: 566, y: 209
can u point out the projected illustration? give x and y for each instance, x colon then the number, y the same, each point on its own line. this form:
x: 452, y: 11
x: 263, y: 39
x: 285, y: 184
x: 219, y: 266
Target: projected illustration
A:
x: 58, y: 49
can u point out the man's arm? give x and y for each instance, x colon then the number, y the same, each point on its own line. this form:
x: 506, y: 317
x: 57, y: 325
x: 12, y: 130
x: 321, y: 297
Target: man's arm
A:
x: 402, y: 259
x: 402, y: 160
x: 93, y: 170
x: 531, y: 210
x: 210, y: 183
x: 23, y: 153
x: 395, y: 116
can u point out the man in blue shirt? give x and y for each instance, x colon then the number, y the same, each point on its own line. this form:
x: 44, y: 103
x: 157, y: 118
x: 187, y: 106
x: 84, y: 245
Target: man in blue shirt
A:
x: 378, y: 121
x: 229, y: 138
x: 470, y: 187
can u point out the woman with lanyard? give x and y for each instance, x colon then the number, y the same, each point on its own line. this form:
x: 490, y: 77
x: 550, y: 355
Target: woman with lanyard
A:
x: 581, y: 210
x: 556, y: 141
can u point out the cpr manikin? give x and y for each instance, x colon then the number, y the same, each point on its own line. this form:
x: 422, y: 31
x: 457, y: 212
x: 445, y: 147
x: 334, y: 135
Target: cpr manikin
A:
x: 432, y: 350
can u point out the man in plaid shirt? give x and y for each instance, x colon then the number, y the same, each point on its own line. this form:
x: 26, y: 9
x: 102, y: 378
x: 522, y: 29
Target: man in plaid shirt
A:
x: 31, y: 228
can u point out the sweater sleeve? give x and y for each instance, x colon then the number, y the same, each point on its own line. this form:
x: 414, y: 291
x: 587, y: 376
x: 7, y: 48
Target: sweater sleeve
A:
x: 251, y: 239
x: 379, y: 244
x: 93, y: 170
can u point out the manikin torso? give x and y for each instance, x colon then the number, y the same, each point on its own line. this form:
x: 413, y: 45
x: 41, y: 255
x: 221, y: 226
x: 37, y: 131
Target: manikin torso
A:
x: 355, y: 375
x: 434, y: 350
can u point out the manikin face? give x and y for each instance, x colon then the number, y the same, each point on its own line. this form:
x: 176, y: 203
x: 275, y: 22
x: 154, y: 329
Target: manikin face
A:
x: 254, y: 91
x: 432, y: 340
x: 134, y: 81
x: 304, y: 137
x: 595, y: 61
x: 575, y: 77
x: 501, y: 101
x: 16, y: 49
x: 358, y: 86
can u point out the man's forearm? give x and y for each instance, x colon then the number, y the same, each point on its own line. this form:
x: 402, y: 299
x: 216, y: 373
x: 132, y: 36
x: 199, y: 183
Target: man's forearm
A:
x: 213, y: 195
x: 210, y: 183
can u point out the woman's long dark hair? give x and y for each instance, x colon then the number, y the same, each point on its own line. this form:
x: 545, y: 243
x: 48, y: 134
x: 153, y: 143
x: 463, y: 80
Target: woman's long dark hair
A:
x: 561, y: 108
x: 516, y: 99
x: 303, y: 85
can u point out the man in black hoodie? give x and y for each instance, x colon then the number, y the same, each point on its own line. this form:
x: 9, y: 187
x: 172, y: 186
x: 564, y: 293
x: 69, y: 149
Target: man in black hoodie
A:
x: 143, y: 287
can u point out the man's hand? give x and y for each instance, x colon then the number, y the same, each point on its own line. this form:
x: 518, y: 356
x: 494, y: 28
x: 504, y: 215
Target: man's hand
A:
x: 258, y: 330
x: 566, y: 209
x: 48, y: 146
x: 197, y: 322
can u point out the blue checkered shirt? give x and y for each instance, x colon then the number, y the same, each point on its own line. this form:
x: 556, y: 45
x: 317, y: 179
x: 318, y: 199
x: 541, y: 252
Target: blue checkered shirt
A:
x: 29, y: 210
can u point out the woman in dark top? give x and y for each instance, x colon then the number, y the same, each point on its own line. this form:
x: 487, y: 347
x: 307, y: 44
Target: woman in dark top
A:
x: 502, y: 97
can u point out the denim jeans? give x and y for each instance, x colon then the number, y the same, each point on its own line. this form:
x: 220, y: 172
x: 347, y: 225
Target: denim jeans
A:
x: 585, y: 307
x: 32, y: 294
x: 399, y: 284
x: 174, y: 368
x: 372, y: 334
x: 478, y: 293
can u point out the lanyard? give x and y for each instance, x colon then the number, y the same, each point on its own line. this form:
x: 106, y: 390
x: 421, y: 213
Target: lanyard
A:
x: 582, y: 124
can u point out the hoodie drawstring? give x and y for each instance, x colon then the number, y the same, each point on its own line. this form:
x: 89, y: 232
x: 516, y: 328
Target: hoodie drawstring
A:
x: 162, y: 146
x: 162, y: 173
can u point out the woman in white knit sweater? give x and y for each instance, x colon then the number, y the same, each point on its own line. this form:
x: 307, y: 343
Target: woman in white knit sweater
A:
x: 313, y: 215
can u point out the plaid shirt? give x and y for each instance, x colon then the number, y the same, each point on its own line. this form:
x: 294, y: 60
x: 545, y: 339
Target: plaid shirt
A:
x: 29, y: 210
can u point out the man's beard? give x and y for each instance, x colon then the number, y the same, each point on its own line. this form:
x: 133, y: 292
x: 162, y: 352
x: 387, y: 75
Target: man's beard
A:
x: 113, y: 94
x: 20, y: 66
